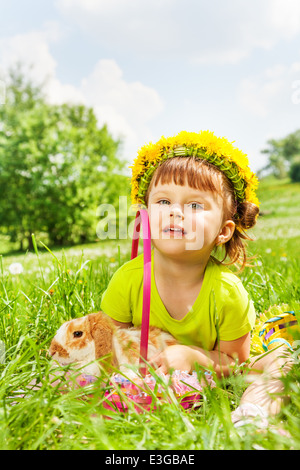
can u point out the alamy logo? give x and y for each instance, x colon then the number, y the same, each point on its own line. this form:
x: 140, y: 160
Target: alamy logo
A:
x: 168, y: 222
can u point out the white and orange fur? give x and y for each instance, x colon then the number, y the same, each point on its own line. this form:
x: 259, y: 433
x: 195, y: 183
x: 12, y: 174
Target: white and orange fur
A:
x: 84, y: 341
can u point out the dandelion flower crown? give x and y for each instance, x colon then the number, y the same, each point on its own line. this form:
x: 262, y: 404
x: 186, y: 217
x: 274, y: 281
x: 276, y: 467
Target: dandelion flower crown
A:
x: 206, y: 146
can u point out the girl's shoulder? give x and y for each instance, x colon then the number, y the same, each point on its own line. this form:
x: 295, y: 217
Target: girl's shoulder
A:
x: 131, y: 272
x: 229, y: 293
x: 135, y: 264
x: 222, y: 275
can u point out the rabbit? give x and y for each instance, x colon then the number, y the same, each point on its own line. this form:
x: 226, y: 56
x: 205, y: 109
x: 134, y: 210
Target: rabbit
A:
x: 83, y: 341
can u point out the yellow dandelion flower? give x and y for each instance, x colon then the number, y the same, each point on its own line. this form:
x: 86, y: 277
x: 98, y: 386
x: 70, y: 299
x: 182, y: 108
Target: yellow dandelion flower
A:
x: 217, y: 150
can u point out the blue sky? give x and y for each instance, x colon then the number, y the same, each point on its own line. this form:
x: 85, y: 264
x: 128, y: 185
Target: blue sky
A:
x: 152, y: 68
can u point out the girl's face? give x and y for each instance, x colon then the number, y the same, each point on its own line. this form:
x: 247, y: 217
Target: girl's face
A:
x: 184, y: 219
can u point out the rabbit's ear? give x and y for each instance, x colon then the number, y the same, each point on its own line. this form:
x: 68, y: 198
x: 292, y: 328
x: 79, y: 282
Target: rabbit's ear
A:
x: 101, y: 330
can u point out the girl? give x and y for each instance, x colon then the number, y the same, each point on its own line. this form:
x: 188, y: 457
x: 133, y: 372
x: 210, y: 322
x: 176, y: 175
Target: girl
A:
x: 200, y: 195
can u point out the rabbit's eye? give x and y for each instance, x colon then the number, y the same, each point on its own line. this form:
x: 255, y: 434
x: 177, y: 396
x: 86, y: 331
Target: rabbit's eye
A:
x: 77, y: 334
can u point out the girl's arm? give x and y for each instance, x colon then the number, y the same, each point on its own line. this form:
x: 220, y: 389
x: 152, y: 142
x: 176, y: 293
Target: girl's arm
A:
x: 121, y: 324
x: 221, y: 359
x: 226, y: 355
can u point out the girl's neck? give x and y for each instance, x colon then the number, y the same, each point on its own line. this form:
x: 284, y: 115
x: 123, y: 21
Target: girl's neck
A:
x: 185, y: 271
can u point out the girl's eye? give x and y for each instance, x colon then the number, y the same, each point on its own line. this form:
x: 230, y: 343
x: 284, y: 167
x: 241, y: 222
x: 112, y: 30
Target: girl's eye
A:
x: 163, y: 202
x: 196, y: 206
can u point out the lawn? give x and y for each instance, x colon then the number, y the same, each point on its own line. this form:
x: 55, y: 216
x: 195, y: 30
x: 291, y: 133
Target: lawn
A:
x: 62, y: 284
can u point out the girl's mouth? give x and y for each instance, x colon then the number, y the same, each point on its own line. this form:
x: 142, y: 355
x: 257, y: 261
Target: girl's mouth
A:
x: 174, y: 231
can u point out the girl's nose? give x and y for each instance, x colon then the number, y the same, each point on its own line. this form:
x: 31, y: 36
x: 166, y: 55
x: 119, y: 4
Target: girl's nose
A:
x: 177, y: 211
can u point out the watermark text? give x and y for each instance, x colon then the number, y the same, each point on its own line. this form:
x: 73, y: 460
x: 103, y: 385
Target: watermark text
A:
x: 168, y: 222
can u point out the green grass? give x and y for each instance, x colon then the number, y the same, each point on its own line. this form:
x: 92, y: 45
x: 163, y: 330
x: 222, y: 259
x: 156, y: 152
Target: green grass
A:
x: 64, y: 284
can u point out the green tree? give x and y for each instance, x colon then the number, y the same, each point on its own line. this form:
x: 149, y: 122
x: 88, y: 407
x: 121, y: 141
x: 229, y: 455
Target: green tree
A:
x: 282, y: 154
x: 56, y: 167
x: 277, y: 164
x: 295, y: 169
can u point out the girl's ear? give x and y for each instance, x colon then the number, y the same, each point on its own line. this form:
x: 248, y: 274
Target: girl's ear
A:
x: 226, y: 232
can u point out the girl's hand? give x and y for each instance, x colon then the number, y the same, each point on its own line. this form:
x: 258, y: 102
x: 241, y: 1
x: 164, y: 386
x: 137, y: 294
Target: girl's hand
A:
x: 177, y: 357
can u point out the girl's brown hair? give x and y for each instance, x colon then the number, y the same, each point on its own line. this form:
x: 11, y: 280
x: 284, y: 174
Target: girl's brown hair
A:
x: 202, y: 175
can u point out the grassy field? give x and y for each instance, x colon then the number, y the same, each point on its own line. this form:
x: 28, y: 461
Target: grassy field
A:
x: 57, y: 286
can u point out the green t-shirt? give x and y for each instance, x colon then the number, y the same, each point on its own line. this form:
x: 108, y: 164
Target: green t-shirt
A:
x: 222, y: 309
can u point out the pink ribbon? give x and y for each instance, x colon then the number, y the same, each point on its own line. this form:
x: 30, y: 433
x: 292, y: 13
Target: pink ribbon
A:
x: 142, y: 219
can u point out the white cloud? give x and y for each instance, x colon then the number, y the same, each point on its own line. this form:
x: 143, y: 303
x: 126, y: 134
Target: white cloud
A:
x: 106, y: 86
x: 59, y: 93
x: 126, y: 107
x: 196, y: 30
x: 30, y: 49
x: 270, y: 93
x: 285, y: 17
x: 270, y: 102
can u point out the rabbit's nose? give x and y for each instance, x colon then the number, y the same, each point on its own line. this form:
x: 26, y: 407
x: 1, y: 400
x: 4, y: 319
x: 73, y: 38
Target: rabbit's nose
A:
x: 51, y: 351
x: 57, y: 348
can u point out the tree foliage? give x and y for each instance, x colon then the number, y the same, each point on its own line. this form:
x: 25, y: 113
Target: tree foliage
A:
x: 295, y: 169
x: 56, y: 167
x: 284, y: 156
